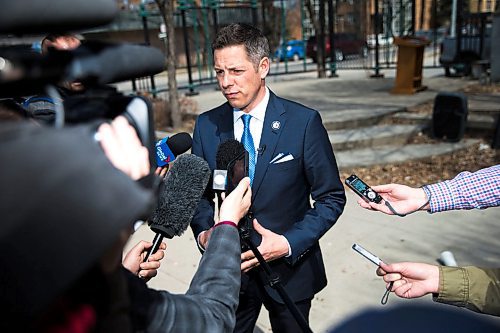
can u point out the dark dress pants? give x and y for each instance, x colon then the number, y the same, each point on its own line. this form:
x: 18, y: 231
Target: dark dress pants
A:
x: 252, y: 296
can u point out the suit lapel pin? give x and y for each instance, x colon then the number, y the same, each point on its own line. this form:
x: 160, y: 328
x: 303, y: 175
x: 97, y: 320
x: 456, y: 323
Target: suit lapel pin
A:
x: 275, y: 125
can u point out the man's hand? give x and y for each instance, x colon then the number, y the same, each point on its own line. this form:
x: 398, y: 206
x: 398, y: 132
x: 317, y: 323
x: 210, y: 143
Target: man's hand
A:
x: 133, y: 260
x: 273, y: 246
x: 411, y: 280
x: 123, y: 148
x: 403, y: 199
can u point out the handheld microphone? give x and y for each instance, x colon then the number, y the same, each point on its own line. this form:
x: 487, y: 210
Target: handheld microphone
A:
x: 180, y: 194
x: 169, y: 148
x: 27, y: 16
x: 226, y: 152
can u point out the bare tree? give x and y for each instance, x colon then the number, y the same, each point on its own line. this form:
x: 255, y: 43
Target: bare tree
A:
x: 320, y: 38
x: 166, y: 8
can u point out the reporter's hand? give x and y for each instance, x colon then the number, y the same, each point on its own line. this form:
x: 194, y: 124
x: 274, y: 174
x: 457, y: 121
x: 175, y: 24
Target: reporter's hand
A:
x: 161, y: 171
x: 411, y: 280
x: 403, y: 199
x: 237, y: 203
x: 233, y: 208
x: 123, y: 148
x: 133, y: 260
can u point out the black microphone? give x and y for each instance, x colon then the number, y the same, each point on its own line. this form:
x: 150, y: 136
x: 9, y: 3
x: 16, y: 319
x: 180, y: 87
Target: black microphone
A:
x: 226, y: 152
x: 169, y: 148
x: 28, y: 16
x: 179, y: 196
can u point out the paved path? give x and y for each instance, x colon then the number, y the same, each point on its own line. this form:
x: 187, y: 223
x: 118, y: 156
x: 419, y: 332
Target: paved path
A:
x: 353, y: 286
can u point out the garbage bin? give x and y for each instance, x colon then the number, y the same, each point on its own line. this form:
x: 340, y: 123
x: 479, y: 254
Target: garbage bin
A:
x: 409, y: 68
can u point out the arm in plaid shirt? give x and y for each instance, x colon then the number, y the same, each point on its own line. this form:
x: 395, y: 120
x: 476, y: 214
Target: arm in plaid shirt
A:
x: 210, y: 303
x: 467, y: 190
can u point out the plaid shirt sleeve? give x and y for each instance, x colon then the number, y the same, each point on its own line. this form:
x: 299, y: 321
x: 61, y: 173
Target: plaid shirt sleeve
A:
x: 467, y: 190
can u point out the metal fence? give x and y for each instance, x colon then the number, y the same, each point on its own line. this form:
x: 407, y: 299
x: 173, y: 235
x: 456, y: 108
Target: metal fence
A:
x: 370, y: 23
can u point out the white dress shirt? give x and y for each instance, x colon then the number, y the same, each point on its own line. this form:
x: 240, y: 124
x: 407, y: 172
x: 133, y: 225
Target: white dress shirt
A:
x: 256, y: 122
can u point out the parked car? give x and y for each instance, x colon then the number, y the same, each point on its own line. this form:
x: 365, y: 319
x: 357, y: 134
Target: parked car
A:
x: 383, y: 40
x: 345, y: 44
x: 294, y: 50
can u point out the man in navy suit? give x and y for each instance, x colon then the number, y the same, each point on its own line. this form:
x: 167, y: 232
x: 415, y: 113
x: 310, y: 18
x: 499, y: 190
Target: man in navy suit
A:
x: 291, y: 161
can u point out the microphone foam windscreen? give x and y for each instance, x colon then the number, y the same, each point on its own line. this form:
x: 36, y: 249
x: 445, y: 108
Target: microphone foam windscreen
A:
x: 228, y: 151
x: 179, y: 195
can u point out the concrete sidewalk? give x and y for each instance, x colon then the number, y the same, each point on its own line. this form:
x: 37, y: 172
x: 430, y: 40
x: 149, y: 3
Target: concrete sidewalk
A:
x: 353, y: 286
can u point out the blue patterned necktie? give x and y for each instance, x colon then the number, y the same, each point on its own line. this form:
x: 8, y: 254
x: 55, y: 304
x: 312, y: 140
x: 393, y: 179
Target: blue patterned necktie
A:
x: 247, y: 141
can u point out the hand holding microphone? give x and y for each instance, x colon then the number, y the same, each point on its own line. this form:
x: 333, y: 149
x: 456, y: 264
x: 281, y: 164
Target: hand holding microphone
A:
x: 133, y: 260
x: 234, y: 207
x: 168, y: 149
x: 237, y: 203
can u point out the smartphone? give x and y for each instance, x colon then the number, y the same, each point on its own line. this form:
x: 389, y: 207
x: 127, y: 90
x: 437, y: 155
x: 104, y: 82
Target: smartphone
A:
x: 362, y: 189
x: 237, y: 169
x: 367, y: 254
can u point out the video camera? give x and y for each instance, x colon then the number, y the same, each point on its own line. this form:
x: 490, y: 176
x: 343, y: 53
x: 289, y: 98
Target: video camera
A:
x: 93, y: 64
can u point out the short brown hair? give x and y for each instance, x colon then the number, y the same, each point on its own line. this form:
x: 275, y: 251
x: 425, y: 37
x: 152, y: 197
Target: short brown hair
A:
x: 256, y: 44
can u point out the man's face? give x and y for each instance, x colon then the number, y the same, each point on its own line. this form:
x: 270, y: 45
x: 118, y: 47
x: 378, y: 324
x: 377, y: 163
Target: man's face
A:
x: 240, y: 82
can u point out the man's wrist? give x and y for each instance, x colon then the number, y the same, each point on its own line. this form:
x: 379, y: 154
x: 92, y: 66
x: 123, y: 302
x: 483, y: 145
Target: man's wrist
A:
x: 231, y: 223
x: 426, y: 206
x: 289, y: 252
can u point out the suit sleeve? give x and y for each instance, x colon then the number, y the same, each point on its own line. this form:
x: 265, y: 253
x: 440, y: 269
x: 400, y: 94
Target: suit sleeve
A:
x: 210, y: 303
x: 327, y: 191
x: 203, y: 218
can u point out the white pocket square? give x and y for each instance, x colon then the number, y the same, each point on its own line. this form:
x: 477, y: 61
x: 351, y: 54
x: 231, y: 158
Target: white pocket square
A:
x: 282, y: 157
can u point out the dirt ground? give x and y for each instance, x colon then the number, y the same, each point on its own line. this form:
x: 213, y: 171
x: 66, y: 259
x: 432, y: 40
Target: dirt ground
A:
x: 436, y: 168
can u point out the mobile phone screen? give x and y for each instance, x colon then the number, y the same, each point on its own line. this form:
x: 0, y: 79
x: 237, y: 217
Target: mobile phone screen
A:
x: 237, y: 169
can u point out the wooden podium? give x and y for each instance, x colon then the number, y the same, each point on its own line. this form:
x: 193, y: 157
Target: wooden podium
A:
x: 409, y: 67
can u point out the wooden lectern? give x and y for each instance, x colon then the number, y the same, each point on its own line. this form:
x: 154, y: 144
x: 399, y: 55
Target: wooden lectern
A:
x: 409, y: 67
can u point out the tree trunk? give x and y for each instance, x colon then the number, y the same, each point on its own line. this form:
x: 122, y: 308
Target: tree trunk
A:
x: 320, y: 55
x: 166, y: 8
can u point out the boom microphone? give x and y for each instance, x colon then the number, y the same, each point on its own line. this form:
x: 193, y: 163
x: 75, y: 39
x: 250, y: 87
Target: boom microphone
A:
x: 169, y: 148
x: 180, y: 194
x: 92, y: 63
x: 105, y: 63
x: 52, y: 16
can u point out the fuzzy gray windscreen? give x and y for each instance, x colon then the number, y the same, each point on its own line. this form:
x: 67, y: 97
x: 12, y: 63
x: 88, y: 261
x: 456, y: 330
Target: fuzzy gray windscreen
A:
x: 180, y: 194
